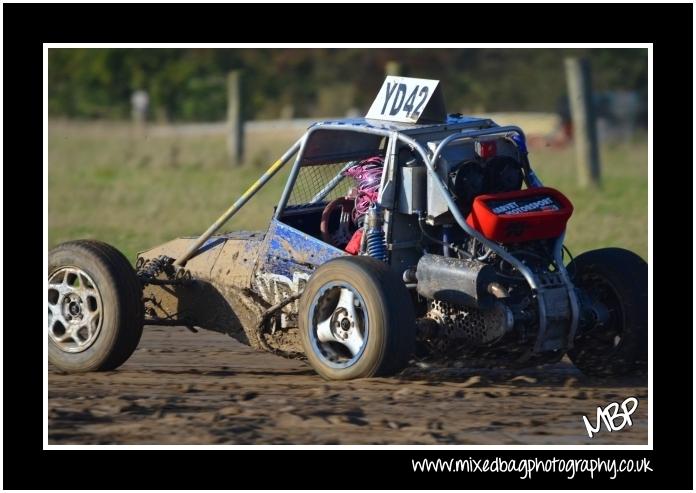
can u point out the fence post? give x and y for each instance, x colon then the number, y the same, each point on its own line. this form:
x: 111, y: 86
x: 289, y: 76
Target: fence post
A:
x: 235, y: 123
x: 583, y: 120
x: 139, y: 105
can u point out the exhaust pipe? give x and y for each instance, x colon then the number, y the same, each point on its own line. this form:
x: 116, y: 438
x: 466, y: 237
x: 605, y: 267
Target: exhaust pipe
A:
x: 456, y: 281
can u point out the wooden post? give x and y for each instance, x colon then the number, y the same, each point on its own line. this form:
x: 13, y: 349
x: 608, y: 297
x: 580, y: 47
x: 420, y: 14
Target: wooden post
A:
x: 235, y: 123
x: 393, y: 68
x: 139, y: 105
x: 583, y: 120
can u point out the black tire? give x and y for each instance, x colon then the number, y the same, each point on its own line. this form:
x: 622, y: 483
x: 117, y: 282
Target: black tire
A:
x: 617, y: 278
x: 120, y: 308
x: 391, y: 327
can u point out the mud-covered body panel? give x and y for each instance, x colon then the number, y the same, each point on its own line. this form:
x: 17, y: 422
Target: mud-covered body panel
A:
x: 235, y: 277
x: 218, y: 296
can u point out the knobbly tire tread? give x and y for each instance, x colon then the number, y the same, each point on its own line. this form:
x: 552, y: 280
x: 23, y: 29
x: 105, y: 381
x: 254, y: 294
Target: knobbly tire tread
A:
x: 128, y: 302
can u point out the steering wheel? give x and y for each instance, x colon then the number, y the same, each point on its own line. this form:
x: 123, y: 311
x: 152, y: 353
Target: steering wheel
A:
x: 343, y: 234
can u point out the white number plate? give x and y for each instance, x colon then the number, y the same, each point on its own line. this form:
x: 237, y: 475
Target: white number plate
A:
x: 402, y: 99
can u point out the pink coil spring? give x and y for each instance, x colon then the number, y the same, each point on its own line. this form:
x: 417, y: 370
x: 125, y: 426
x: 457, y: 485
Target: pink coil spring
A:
x: 368, y: 175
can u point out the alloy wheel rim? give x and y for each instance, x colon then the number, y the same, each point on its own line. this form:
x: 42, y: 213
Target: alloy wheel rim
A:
x: 74, y: 309
x: 339, y: 325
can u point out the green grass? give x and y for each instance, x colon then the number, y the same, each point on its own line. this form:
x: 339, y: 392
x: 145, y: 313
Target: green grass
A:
x: 136, y: 191
x: 616, y: 214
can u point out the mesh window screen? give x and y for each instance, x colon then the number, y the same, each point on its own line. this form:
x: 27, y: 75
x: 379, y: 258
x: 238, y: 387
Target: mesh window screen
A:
x: 312, y: 180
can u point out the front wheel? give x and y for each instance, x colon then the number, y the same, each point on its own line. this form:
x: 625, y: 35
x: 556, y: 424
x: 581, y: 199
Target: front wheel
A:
x: 356, y: 319
x: 95, y: 309
x: 616, y: 283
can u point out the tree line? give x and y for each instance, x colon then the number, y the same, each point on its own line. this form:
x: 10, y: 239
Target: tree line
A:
x: 190, y: 84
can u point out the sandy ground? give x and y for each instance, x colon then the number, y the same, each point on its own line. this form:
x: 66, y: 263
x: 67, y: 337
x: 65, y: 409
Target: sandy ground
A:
x: 205, y: 388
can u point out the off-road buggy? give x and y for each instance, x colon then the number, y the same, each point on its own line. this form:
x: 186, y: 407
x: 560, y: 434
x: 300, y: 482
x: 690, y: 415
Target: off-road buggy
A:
x: 407, y: 234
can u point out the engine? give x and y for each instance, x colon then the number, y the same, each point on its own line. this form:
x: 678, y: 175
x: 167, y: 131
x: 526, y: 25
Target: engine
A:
x: 474, y: 298
x: 477, y: 177
x: 469, y: 169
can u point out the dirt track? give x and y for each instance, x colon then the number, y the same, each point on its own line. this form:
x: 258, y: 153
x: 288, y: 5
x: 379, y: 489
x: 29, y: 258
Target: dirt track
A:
x: 205, y: 388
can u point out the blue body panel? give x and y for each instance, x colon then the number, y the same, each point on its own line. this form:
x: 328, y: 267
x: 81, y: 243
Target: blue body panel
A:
x: 287, y: 250
x: 287, y: 258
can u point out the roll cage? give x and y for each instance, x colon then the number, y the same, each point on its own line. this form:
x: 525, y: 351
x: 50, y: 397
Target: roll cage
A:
x: 393, y: 134
x: 371, y: 135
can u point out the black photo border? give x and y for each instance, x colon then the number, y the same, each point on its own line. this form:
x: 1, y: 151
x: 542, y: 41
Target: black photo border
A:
x: 27, y: 26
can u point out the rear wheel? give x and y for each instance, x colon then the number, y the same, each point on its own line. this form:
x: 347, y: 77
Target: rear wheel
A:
x: 616, y: 283
x: 95, y: 314
x: 356, y: 319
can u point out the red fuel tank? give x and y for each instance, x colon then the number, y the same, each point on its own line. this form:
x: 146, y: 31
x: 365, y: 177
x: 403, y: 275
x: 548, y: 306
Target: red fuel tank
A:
x: 523, y: 215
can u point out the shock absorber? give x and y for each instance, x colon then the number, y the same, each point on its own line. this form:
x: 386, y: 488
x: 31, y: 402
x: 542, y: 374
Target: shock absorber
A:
x: 376, y: 242
x: 151, y: 268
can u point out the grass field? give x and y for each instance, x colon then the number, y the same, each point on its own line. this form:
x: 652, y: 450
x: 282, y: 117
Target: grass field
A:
x: 137, y: 190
